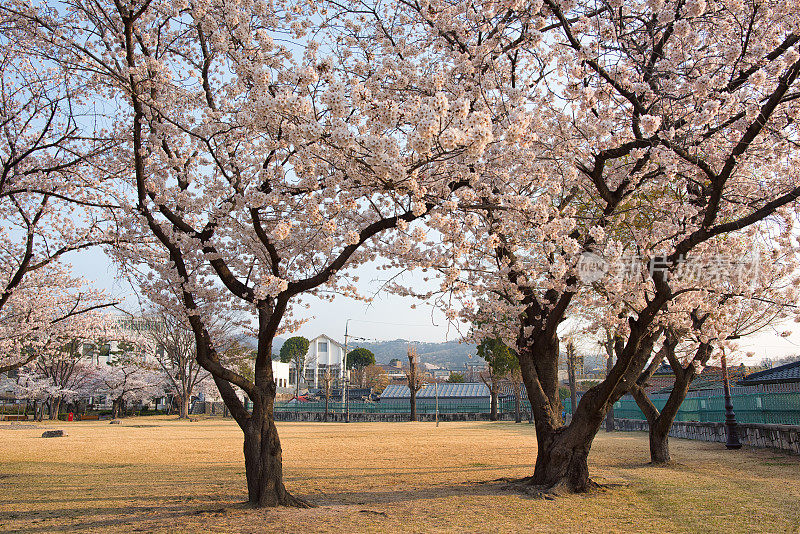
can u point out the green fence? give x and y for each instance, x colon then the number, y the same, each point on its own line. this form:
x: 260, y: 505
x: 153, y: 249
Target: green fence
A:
x: 391, y: 406
x: 771, y: 408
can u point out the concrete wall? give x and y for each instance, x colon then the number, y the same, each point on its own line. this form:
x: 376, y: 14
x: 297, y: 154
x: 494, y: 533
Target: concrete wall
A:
x: 785, y: 437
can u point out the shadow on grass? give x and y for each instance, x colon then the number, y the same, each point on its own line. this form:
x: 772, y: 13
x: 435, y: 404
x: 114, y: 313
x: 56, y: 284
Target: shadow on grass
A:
x: 95, y: 514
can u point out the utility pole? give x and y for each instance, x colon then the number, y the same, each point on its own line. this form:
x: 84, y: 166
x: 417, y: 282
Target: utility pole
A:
x: 436, y: 392
x: 571, y: 361
x: 346, y: 377
x: 609, y: 346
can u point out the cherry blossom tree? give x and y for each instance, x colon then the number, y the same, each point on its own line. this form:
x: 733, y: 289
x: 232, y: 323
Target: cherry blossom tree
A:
x: 170, y: 341
x: 666, y: 125
x: 128, y: 379
x: 723, y: 315
x: 61, y: 370
x: 266, y: 161
x: 51, y: 203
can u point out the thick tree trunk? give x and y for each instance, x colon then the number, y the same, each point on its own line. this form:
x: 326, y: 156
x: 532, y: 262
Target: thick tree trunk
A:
x: 325, y: 418
x: 563, y: 451
x: 562, y: 460
x: 413, y: 416
x: 263, y: 464
x: 118, y: 408
x: 493, y: 415
x: 659, y: 442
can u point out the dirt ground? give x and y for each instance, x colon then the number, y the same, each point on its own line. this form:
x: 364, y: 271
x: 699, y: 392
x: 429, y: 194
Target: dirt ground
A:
x: 157, y: 474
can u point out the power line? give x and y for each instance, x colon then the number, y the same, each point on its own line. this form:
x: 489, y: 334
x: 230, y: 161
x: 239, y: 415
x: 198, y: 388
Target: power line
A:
x: 392, y: 324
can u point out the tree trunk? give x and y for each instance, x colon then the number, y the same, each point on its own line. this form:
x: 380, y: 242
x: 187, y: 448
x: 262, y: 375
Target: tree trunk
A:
x: 325, y: 418
x: 659, y: 442
x: 562, y: 455
x: 562, y: 461
x: 493, y: 416
x: 563, y: 451
x: 184, y: 408
x: 116, y: 408
x: 55, y: 406
x: 610, y: 414
x: 413, y: 416
x: 573, y: 394
x: 660, y: 422
x: 263, y: 461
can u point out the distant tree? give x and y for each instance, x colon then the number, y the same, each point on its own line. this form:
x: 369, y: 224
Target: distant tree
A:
x: 357, y: 360
x: 502, y: 361
x: 171, y: 340
x: 456, y: 378
x: 375, y: 378
x: 360, y: 358
x: 781, y: 361
x: 516, y: 384
x: 129, y: 377
x: 415, y: 380
x: 295, y: 349
x: 394, y: 362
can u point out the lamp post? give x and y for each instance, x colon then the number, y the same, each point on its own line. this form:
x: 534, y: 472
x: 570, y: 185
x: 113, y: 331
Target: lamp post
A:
x: 730, y: 418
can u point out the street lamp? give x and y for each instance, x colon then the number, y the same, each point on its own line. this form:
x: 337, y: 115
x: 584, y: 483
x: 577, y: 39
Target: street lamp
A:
x: 730, y: 418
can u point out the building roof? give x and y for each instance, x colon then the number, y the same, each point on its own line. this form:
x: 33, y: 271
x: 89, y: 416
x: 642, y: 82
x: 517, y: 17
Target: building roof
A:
x: 468, y: 389
x: 711, y: 378
x: 789, y: 372
x: 507, y: 390
x: 329, y: 338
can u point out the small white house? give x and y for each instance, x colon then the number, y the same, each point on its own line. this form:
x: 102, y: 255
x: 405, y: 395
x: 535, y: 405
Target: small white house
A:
x: 323, y: 353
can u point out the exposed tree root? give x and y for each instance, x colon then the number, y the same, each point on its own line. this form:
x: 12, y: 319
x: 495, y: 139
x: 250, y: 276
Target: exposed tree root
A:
x: 528, y: 487
x: 295, y: 502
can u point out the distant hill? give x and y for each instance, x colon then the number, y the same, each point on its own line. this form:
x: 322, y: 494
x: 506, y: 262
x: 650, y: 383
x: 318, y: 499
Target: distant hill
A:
x: 450, y: 354
x: 252, y: 342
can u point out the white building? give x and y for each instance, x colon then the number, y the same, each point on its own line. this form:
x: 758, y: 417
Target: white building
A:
x: 280, y: 372
x: 323, y: 353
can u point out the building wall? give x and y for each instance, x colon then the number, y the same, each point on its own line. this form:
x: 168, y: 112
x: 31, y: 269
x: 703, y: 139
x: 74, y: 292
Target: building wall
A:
x: 323, y: 352
x: 280, y: 372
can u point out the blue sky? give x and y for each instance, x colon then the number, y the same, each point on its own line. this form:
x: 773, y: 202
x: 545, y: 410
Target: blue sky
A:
x: 387, y: 317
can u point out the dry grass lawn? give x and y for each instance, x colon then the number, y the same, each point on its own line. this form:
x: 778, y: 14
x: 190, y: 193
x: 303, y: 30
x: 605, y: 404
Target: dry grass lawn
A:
x: 157, y: 474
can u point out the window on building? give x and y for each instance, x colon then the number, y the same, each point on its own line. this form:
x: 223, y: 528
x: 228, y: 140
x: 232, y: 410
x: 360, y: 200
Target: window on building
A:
x: 322, y: 346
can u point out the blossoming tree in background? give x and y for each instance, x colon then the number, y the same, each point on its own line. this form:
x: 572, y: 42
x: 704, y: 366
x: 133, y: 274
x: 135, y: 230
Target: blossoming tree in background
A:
x: 51, y: 203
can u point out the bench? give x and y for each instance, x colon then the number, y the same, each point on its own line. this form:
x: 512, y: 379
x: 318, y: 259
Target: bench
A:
x: 11, y: 417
